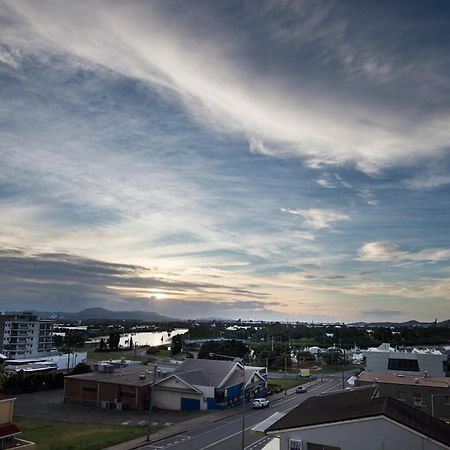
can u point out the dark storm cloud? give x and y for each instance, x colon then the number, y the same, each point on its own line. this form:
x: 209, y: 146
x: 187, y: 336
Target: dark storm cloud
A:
x: 64, y: 282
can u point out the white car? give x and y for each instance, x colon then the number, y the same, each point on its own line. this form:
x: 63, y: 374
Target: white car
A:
x: 260, y: 403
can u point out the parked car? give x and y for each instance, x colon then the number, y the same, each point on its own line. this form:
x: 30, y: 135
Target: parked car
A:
x: 301, y: 390
x: 260, y: 403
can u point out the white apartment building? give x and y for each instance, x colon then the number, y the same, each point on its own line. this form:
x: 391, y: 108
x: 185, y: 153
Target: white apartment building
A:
x: 410, y: 361
x: 23, y: 335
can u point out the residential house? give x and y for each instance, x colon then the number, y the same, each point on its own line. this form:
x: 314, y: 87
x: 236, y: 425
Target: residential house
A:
x: 358, y: 419
x: 8, y: 429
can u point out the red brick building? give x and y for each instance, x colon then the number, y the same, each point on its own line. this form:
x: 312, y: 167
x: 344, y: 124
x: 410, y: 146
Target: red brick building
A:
x: 128, y: 388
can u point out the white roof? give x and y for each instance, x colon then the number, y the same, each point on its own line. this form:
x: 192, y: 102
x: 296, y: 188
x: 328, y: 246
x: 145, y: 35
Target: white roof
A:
x: 261, y: 427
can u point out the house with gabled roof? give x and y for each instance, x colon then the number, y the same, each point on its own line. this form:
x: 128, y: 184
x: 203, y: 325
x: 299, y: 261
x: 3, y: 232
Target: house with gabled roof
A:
x: 357, y: 419
x: 9, y: 431
x: 202, y: 384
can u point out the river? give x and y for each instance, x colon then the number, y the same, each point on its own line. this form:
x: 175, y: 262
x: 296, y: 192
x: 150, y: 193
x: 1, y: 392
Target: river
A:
x: 152, y: 338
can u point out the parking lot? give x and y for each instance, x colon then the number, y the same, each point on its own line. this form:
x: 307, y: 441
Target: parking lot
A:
x: 49, y: 404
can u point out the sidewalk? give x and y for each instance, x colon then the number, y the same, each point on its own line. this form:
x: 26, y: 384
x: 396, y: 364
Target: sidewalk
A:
x: 194, y: 424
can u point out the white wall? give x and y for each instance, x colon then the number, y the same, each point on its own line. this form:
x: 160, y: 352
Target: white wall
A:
x: 368, y: 434
x: 378, y: 362
x: 63, y: 360
x: 171, y: 399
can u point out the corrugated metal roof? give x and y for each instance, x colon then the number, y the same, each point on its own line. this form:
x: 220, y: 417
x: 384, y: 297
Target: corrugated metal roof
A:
x: 357, y: 404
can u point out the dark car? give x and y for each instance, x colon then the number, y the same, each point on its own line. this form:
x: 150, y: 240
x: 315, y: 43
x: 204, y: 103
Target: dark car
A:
x: 301, y: 390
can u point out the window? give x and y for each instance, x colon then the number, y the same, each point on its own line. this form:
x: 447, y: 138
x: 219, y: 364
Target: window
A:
x: 128, y: 393
x: 408, y: 365
x: 418, y: 401
x: 311, y: 446
x: 401, y: 396
x: 89, y: 388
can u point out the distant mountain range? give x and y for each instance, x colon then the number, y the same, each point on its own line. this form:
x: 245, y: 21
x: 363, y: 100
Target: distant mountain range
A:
x: 409, y: 323
x: 106, y: 314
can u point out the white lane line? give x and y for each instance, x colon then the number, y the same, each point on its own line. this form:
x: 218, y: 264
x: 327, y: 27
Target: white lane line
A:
x: 226, y: 438
x: 248, y: 428
x: 256, y: 443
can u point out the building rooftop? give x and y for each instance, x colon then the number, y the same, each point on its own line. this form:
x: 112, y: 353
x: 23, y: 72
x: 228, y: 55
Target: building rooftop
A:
x: 361, y: 403
x: 209, y: 372
x: 385, y: 347
x: 8, y: 429
x: 128, y: 376
x: 390, y: 378
x: 6, y: 397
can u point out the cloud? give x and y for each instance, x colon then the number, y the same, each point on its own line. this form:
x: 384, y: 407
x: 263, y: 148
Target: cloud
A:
x: 368, y: 196
x: 384, y: 314
x: 325, y: 183
x: 318, y: 218
x: 70, y: 283
x: 228, y: 93
x: 8, y: 58
x: 385, y: 251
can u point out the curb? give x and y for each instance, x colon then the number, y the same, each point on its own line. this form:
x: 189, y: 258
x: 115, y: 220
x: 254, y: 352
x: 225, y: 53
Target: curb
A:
x: 203, y: 420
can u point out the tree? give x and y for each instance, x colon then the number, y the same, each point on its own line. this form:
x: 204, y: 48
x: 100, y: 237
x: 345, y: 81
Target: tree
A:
x: 131, y: 343
x: 213, y: 349
x: 113, y: 341
x: 81, y: 368
x: 177, y: 344
x: 333, y: 357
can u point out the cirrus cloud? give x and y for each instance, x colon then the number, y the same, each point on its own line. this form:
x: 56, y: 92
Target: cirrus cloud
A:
x: 385, y: 251
x: 318, y: 218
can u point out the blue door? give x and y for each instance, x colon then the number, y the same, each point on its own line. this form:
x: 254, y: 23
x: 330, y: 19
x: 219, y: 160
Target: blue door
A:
x: 190, y: 404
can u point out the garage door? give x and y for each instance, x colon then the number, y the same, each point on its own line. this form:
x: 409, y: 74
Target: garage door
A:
x: 190, y: 404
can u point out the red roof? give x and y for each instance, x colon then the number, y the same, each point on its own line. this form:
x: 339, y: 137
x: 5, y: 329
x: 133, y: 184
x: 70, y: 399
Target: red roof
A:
x: 8, y: 429
x: 6, y: 397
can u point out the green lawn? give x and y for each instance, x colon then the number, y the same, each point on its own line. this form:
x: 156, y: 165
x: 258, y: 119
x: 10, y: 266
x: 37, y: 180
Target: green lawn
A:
x: 124, y: 353
x: 56, y: 435
x: 288, y: 383
x: 333, y: 369
x: 100, y: 356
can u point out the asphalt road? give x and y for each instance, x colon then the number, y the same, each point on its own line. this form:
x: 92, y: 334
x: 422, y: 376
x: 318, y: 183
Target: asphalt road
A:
x: 227, y: 433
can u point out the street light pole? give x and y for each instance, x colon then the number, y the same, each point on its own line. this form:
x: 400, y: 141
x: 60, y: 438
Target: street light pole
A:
x: 243, y: 408
x: 150, y: 406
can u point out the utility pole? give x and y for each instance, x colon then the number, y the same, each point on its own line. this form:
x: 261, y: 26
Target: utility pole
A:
x: 68, y: 360
x: 321, y: 368
x: 243, y: 408
x: 343, y: 373
x: 150, y: 406
x: 272, y: 343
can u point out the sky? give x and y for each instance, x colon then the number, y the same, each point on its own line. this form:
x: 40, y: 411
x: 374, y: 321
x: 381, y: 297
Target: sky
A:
x: 276, y: 160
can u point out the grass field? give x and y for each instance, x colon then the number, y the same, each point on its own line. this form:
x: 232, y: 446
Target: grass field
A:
x: 334, y: 369
x: 288, y: 383
x: 100, y: 356
x: 56, y: 435
x: 125, y: 353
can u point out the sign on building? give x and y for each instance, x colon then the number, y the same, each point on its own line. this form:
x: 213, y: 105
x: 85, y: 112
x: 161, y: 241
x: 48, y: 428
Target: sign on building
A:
x: 295, y: 444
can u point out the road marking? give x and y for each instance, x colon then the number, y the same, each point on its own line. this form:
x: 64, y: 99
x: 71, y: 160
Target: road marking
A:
x: 259, y: 441
x: 226, y: 438
x: 250, y: 447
